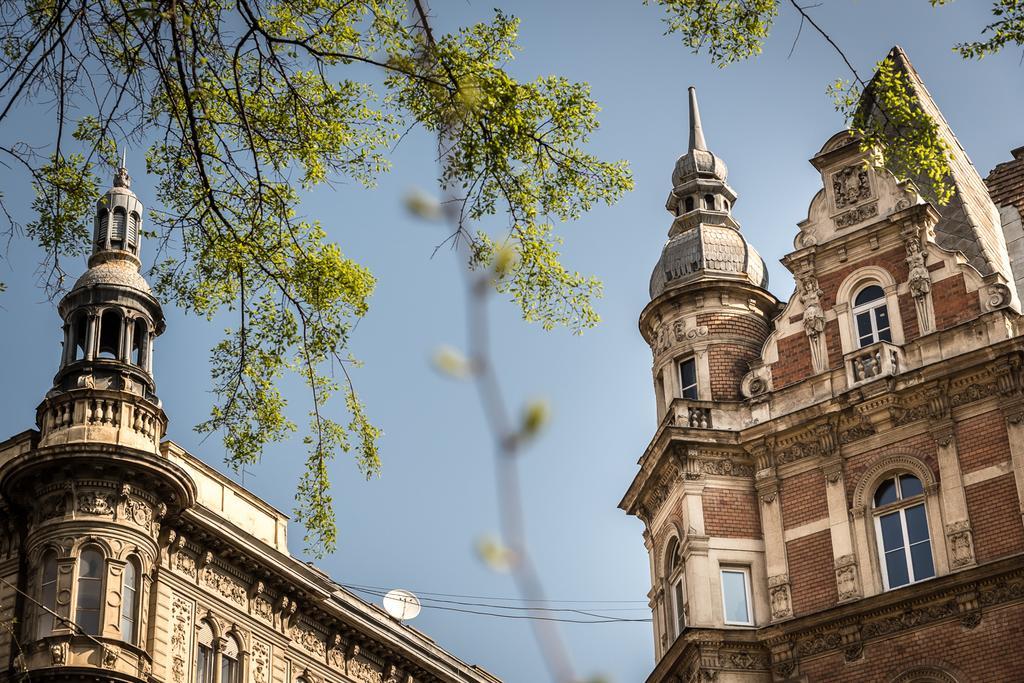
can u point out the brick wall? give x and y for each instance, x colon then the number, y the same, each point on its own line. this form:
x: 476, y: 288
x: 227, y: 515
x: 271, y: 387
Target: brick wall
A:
x: 986, y: 653
x: 728, y: 363
x: 982, y: 441
x: 811, y: 573
x: 833, y: 344
x: 803, y: 499
x: 750, y: 326
x: 953, y: 305
x: 908, y: 311
x: 794, y: 362
x: 893, y: 261
x: 732, y: 514
x: 995, y: 518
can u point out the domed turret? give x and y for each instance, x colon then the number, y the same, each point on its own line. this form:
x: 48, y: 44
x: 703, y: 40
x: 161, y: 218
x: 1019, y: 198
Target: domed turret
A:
x: 110, y: 320
x: 704, y: 239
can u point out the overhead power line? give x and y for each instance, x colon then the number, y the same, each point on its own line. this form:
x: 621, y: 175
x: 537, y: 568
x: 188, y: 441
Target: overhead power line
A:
x: 502, y: 599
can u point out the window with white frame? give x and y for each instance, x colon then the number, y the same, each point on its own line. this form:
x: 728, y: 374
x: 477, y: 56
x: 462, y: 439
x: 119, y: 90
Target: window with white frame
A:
x: 675, y: 601
x: 901, y: 526
x: 130, y: 601
x: 89, y: 600
x: 688, y: 378
x: 736, y: 599
x: 871, y: 316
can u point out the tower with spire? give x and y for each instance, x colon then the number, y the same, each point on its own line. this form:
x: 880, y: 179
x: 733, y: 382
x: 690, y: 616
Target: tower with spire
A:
x: 835, y: 487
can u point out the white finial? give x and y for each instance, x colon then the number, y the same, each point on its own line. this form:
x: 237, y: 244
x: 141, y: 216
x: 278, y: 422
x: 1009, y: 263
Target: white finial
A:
x: 696, y: 132
x: 124, y: 159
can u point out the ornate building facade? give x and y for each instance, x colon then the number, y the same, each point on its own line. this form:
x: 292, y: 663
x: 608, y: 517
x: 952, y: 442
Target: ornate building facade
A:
x: 835, y: 488
x: 125, y: 558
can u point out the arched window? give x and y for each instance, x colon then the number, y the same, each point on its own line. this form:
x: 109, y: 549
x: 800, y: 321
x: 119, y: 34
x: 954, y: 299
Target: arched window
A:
x: 689, y: 204
x: 205, y: 655
x: 229, y: 669
x: 871, y: 316
x: 47, y: 594
x: 139, y: 342
x: 110, y: 334
x: 133, y: 230
x: 90, y: 591
x: 130, y: 601
x: 101, y: 227
x: 118, y: 227
x: 709, y: 202
x: 673, y: 564
x: 901, y: 525
x: 79, y: 330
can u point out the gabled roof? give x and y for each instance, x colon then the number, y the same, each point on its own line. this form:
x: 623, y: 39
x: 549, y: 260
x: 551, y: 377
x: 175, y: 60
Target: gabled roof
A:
x: 969, y: 223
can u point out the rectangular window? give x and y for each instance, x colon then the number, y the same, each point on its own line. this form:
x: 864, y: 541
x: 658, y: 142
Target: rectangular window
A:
x: 688, y: 378
x: 736, y: 596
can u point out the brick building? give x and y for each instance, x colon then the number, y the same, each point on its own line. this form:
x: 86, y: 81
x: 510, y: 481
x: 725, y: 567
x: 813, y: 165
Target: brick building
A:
x: 834, y: 490
x: 125, y: 558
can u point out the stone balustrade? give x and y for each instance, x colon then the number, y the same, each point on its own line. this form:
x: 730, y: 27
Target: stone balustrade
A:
x: 867, y: 364
x: 88, y: 415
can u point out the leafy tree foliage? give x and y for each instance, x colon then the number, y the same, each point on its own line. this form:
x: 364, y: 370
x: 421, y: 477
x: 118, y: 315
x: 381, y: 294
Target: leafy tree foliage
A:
x: 244, y: 105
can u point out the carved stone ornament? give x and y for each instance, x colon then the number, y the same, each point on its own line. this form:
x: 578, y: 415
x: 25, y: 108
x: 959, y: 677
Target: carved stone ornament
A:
x: 961, y: 546
x: 336, y: 653
x: 778, y: 594
x: 810, y: 297
x: 361, y: 670
x: 851, y: 185
x: 846, y: 577
x: 260, y: 662
x: 996, y: 296
x: 139, y: 512
x: 59, y: 653
x: 185, y: 563
x: 724, y: 468
x: 310, y: 641
x: 181, y: 625
x: 111, y: 654
x: 96, y: 503
x: 857, y: 215
x: 225, y: 585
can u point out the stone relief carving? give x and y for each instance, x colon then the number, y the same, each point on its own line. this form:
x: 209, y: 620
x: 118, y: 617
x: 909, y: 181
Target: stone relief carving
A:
x: 961, y: 544
x: 857, y: 215
x: 336, y: 653
x: 666, y: 334
x: 778, y: 594
x: 724, y: 468
x: 846, y: 577
x: 225, y: 585
x: 810, y: 297
x: 263, y: 609
x: 111, y: 654
x: 260, y: 662
x: 55, y: 506
x: 139, y: 512
x: 96, y: 503
x: 974, y: 392
x: 996, y: 296
x: 59, y: 653
x: 362, y: 670
x: 309, y: 640
x: 185, y: 563
x: 850, y: 185
x: 181, y: 626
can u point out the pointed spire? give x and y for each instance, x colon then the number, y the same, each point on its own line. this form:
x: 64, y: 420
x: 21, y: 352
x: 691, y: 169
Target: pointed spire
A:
x: 121, y: 177
x: 696, y: 132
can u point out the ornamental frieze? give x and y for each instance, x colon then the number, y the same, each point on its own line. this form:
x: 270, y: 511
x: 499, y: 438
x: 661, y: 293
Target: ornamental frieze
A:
x: 95, y: 503
x: 974, y: 392
x: 724, y: 468
x: 181, y: 627
x: 855, y: 216
x: 260, y: 660
x: 309, y: 640
x: 224, y: 585
x: 850, y: 185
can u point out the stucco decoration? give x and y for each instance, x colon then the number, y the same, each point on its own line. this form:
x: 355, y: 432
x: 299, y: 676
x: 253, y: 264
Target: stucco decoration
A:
x: 225, y: 585
x: 779, y: 596
x: 850, y: 185
x: 95, y: 503
x: 309, y: 640
x: 261, y: 658
x: 961, y: 543
x: 181, y: 637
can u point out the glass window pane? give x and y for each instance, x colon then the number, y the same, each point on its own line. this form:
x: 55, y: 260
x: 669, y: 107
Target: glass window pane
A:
x: 90, y: 564
x: 910, y: 486
x: 896, y: 568
x: 227, y: 670
x: 921, y: 556
x: 734, y: 590
x: 204, y: 663
x: 680, y: 621
x: 882, y: 318
x: 89, y: 621
x: 869, y: 294
x: 864, y: 326
x: 892, y: 531
x: 886, y: 493
x: 917, y: 524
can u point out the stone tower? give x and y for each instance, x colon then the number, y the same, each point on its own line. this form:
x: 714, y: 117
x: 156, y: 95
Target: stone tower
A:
x: 93, y: 492
x: 124, y: 558
x: 835, y: 490
x: 709, y: 315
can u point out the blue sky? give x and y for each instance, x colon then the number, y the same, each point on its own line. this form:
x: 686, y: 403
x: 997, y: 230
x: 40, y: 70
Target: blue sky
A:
x: 415, y: 526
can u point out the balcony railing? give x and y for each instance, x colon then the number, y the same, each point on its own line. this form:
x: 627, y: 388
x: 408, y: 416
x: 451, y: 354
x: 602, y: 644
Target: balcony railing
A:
x: 878, y: 360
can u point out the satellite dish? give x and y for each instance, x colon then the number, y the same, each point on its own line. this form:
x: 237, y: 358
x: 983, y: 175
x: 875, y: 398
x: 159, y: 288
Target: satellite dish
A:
x: 401, y: 604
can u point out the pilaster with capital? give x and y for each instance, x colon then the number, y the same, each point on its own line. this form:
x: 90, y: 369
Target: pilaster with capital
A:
x: 776, y: 564
x: 844, y: 556
x: 959, y: 539
x: 699, y: 586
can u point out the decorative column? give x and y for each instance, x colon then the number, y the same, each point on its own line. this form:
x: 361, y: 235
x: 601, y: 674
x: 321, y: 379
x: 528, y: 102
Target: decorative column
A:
x: 959, y: 539
x: 1008, y: 372
x: 91, y: 334
x: 919, y: 280
x: 766, y: 482
x: 699, y: 579
x: 843, y: 555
